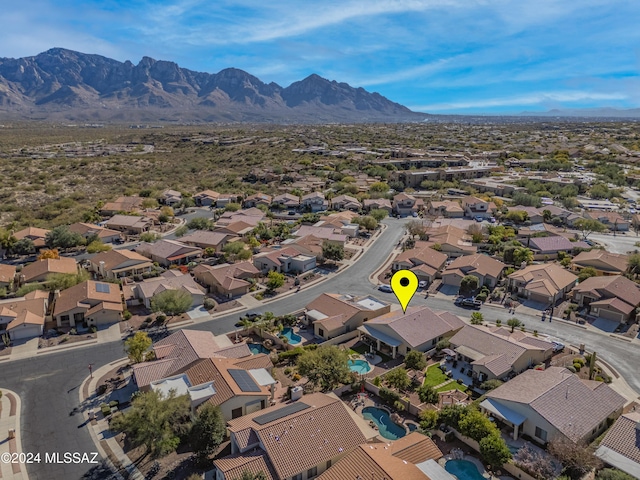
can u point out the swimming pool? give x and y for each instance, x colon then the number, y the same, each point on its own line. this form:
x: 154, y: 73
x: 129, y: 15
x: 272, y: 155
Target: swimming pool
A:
x: 463, y: 469
x: 256, y: 348
x: 359, y: 366
x: 292, y: 337
x: 386, y: 427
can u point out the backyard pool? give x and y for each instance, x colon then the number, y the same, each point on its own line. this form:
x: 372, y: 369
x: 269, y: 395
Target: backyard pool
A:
x: 291, y: 337
x: 359, y: 366
x: 463, y: 469
x: 386, y: 427
x: 256, y: 348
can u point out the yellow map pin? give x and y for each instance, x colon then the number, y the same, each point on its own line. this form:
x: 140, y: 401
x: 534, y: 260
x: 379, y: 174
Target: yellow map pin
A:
x: 404, y: 284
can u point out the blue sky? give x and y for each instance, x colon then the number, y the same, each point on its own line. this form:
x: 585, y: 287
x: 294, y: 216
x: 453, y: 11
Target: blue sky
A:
x: 436, y: 56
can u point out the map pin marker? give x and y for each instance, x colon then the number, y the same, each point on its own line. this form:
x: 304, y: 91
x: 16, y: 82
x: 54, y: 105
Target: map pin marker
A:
x: 404, y: 284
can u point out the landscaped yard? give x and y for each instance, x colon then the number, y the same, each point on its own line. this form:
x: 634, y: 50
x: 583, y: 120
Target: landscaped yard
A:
x: 434, y: 376
x: 361, y: 348
x: 452, y: 385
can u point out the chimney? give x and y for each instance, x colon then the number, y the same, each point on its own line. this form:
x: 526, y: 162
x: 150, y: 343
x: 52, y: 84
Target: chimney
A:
x: 101, y: 268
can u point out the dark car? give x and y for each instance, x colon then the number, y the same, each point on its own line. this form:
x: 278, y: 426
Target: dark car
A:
x: 468, y: 303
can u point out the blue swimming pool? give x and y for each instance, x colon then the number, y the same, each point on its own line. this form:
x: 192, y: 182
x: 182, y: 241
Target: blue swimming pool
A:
x: 291, y: 337
x: 256, y: 348
x: 463, y: 469
x: 359, y: 366
x: 386, y: 427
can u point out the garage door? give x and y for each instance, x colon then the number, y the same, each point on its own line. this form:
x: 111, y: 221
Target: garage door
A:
x: 25, y: 331
x: 610, y: 315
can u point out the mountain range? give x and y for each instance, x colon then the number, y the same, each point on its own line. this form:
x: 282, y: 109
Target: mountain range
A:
x: 62, y: 84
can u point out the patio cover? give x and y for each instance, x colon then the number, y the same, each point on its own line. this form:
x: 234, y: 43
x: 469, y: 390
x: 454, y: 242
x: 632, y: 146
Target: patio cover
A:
x: 503, y: 412
x: 378, y: 335
x: 448, y: 351
x: 469, y: 352
x: 315, y: 315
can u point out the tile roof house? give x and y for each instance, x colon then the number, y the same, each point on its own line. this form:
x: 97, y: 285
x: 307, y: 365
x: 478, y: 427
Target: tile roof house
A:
x: 476, y: 207
x: 180, y: 350
x: 36, y: 235
x: 129, y: 224
x: 96, y: 303
x: 452, y: 240
x: 446, y: 208
x: 119, y: 263
x: 422, y: 260
x: 325, y: 233
x: 169, y: 280
x: 613, y: 220
x: 345, y: 202
x: 7, y: 275
x: 225, y: 199
x: 612, y: 297
x: 307, y: 245
x: 258, y: 199
x: 284, y: 260
x: 396, y: 460
x: 545, y: 283
x: 227, y: 279
x: 534, y: 215
x: 168, y: 252
x: 554, y: 402
x: 488, y: 270
x: 88, y: 230
x: 122, y: 204
x: 298, y: 440
x: 170, y: 197
x: 208, y: 239
x: 378, y: 204
x: 550, y: 246
x: 250, y: 216
x: 40, y: 269
x: 420, y: 328
x: 620, y: 447
x: 206, y: 198
x: 405, y: 204
x: 286, y: 201
x: 603, y: 262
x: 24, y: 317
x: 314, y: 202
x: 332, y: 314
x: 496, y: 352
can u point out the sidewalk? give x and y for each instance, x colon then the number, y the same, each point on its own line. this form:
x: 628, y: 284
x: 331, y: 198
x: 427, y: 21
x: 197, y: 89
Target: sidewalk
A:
x: 10, y: 419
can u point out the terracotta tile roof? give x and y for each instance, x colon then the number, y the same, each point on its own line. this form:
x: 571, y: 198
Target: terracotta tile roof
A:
x: 124, y: 204
x: 87, y: 229
x: 609, y: 287
x: 479, y: 263
x: 86, y: 293
x: 332, y: 304
x: 239, y: 227
x: 377, y: 203
x: 253, y: 361
x: 240, y: 350
x: 26, y: 317
x: 167, y: 249
x: 334, y: 322
x: 33, y: 233
x: 207, y: 194
x: 115, y: 258
x: 305, y: 439
x: 152, y: 286
x: 326, y: 233
x: 7, y: 273
x: 614, y: 303
x: 286, y: 198
x: 423, y: 254
x: 233, y: 466
x: 115, y: 307
x: 561, y: 398
x: 228, y: 276
x: 206, y: 238
x: 551, y: 244
x: 47, y: 266
x: 275, y: 255
x: 602, y: 260
x: 129, y: 221
x: 552, y: 276
x: 624, y: 438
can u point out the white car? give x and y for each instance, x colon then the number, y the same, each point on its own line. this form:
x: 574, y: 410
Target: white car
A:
x: 422, y: 284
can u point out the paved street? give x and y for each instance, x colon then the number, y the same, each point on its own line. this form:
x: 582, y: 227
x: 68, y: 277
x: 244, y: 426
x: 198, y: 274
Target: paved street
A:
x: 48, y: 384
x: 620, y: 243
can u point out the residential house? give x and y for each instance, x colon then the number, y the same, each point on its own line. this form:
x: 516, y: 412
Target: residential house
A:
x: 554, y: 403
x: 451, y: 240
x: 122, y: 204
x: 169, y: 280
x: 206, y: 198
x: 545, y: 283
x: 23, y: 317
x: 314, y: 202
x: 413, y: 457
x: 286, y: 201
x: 333, y: 314
x: 225, y: 199
x: 258, y: 199
x: 613, y: 220
x: 7, y: 276
x: 36, y: 235
x: 251, y: 216
x: 422, y: 260
x: 378, y: 204
x: 284, y: 260
x: 207, y: 239
x: 327, y: 234
x: 445, y: 208
x: 169, y: 252
x: 238, y: 228
x: 119, y: 263
x: 556, y: 212
x: 545, y: 248
x: 278, y: 442
x: 307, y: 245
x: 177, y: 352
x: 420, y: 328
x: 230, y: 280
x: 488, y: 270
x: 405, y: 204
x: 95, y: 303
x: 476, y: 207
x: 341, y: 222
x: 533, y: 214
x: 620, y: 447
x: 345, y: 202
x: 39, y: 270
x: 612, y: 297
x: 603, y: 262
x: 496, y: 352
x: 129, y: 224
x: 170, y: 197
x: 89, y: 230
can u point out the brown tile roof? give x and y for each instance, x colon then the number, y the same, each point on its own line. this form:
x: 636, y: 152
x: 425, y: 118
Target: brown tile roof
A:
x: 86, y: 293
x: 7, y: 273
x: 423, y: 254
x: 302, y: 440
x: 479, y: 263
x: 124, y: 204
x: 332, y: 304
x: 228, y: 276
x: 601, y: 258
x: 33, y: 233
x: 561, y: 398
x: 206, y: 238
x: 624, y: 437
x: 25, y: 317
x: 545, y: 278
x: 233, y: 466
x: 91, y: 229
x: 167, y: 249
x: 609, y: 287
x: 331, y: 323
x: 114, y: 258
x: 47, y: 266
x: 250, y: 362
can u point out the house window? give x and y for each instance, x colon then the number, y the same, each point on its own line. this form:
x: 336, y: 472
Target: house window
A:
x: 78, y: 317
x: 541, y: 434
x: 434, y: 341
x: 236, y: 412
x: 297, y: 477
x: 312, y: 472
x: 64, y: 318
x: 321, y: 332
x: 328, y: 463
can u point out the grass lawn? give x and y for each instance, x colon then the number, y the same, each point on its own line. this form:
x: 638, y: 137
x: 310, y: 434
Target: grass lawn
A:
x: 452, y: 385
x: 434, y: 376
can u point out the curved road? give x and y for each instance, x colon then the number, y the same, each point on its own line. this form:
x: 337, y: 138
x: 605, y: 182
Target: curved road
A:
x: 48, y: 384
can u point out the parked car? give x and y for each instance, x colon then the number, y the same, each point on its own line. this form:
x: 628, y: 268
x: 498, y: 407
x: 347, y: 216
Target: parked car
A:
x: 479, y: 218
x: 422, y: 284
x: 557, y: 346
x: 468, y: 302
x: 492, y: 220
x: 291, y: 212
x: 385, y: 288
x: 414, y: 214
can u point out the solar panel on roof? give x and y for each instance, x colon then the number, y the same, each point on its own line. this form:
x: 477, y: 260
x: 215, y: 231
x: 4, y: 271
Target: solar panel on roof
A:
x: 280, y: 413
x: 244, y: 380
x: 102, y: 288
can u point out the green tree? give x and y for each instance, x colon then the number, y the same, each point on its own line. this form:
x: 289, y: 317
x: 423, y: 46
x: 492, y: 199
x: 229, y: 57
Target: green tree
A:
x: 494, y: 450
x: 491, y: 384
x: 415, y: 360
x: 475, y: 424
x: 427, y: 394
x: 233, y: 250
x: 208, y: 431
x: 171, y: 302
x: 155, y: 422
x: 149, y: 237
x: 477, y: 318
x: 398, y: 379
x: 232, y: 207
x: 332, y: 251
x: 181, y: 231
x: 327, y: 366
x: 136, y: 346
x: 200, y: 223
x: 514, y: 323
x: 577, y: 458
x: 546, y: 215
x: 429, y: 418
x: 62, y: 237
x: 379, y: 214
x: 451, y: 414
x: 7, y: 239
x: 469, y: 285
x: 379, y: 187
x: 587, y: 226
x: 517, y: 216
x: 415, y: 228
x: 62, y: 281
x: 613, y: 474
x: 522, y: 254
x: 633, y: 264
x: 585, y: 273
x: 24, y: 246
x: 367, y: 222
x: 274, y: 281
x: 98, y: 246
x: 247, y: 475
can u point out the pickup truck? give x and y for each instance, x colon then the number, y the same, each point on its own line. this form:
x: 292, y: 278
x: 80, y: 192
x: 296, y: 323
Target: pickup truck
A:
x: 469, y: 303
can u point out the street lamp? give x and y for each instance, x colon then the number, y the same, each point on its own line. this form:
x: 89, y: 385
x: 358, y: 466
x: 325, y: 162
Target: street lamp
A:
x: 91, y: 369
